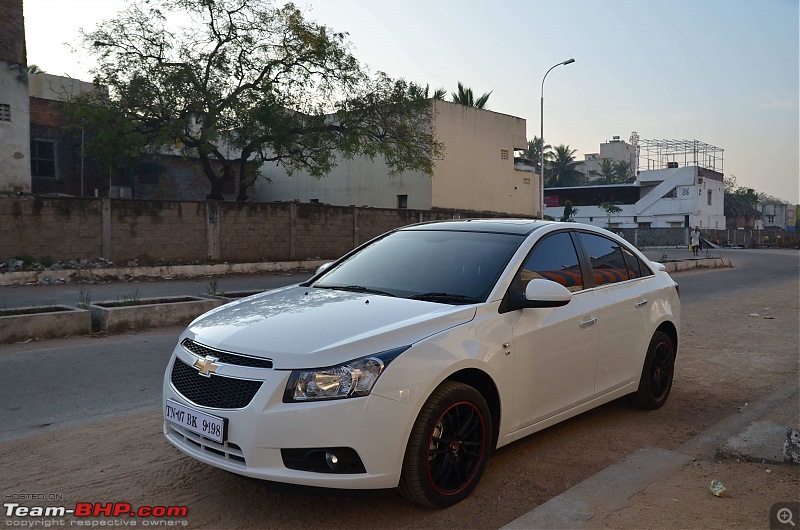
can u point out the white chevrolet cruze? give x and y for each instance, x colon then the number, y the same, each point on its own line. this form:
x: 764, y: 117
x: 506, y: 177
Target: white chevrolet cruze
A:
x: 407, y: 361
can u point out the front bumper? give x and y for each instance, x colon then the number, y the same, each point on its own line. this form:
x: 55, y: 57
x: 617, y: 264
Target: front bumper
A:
x: 376, y: 428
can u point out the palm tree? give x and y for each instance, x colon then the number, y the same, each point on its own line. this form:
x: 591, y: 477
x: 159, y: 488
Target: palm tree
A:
x: 561, y: 170
x: 534, y: 152
x: 464, y: 96
x: 34, y: 69
x: 420, y: 93
x: 622, y: 172
x: 606, y: 173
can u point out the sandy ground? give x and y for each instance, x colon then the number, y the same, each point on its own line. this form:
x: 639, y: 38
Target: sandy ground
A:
x: 727, y: 358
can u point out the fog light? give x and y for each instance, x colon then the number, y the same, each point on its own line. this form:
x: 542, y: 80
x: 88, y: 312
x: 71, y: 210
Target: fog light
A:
x: 331, y: 459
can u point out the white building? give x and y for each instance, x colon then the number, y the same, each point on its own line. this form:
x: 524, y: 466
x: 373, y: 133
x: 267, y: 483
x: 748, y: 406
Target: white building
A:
x: 670, y: 197
x: 776, y: 215
x: 477, y: 171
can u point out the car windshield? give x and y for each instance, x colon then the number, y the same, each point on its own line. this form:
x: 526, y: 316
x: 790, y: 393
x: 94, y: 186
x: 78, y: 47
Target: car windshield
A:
x: 438, y: 266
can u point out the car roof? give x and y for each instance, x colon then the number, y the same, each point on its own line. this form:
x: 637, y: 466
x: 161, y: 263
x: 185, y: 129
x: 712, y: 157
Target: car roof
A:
x: 496, y: 226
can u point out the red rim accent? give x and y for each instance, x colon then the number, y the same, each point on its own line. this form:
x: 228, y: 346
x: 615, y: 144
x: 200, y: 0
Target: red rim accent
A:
x: 448, y: 444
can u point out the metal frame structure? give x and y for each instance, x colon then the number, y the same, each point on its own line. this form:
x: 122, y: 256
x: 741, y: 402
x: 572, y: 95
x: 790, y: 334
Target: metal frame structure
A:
x: 658, y: 154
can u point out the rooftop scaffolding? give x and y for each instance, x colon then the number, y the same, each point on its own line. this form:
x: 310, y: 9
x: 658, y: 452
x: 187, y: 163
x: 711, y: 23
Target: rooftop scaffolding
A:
x: 660, y: 154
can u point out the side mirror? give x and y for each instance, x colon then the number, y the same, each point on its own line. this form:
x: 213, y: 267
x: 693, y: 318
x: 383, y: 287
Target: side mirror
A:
x: 545, y: 293
x: 322, y: 268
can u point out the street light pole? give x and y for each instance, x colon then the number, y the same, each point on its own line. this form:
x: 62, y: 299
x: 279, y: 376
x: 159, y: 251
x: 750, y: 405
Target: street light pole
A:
x: 541, y: 139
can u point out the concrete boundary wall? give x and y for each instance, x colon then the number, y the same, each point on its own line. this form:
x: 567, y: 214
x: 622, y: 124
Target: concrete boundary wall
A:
x: 56, y: 229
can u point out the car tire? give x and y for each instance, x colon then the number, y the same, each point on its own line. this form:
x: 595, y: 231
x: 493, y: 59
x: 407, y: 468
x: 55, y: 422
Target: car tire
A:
x: 657, y: 374
x: 448, y: 448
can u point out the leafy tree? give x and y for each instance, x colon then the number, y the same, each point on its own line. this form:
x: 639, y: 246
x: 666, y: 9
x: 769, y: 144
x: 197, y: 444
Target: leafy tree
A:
x: 534, y: 153
x: 243, y: 82
x: 112, y: 141
x: 561, y: 170
x: 610, y: 209
x: 741, y: 193
x: 569, y: 212
x: 34, y: 69
x: 464, y: 96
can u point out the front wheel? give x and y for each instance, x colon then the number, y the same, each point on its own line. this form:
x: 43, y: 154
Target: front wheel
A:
x: 657, y: 374
x: 448, y: 448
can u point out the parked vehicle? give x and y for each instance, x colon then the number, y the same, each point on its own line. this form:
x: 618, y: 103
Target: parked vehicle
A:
x: 409, y: 360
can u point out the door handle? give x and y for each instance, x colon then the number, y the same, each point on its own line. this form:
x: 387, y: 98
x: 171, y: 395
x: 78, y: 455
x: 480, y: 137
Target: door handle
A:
x: 588, y: 323
x: 640, y: 303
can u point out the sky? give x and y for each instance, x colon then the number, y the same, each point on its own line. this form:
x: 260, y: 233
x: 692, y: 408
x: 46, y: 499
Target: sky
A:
x: 724, y: 72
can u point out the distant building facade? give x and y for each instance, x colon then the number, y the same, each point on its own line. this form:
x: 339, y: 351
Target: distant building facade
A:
x: 777, y: 215
x: 477, y: 172
x: 616, y: 150
x: 15, y: 164
x: 674, y: 196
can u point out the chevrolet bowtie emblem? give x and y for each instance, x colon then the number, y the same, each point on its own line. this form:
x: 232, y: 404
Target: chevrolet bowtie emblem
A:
x: 206, y: 366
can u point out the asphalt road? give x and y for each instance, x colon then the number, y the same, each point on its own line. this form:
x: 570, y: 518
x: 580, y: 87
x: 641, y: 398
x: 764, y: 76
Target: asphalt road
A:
x: 64, y: 382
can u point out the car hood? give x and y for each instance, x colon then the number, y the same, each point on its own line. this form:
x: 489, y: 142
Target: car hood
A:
x: 304, y: 327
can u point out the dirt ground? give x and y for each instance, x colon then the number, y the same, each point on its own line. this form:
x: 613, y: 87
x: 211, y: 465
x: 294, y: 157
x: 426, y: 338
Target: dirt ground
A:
x: 727, y: 358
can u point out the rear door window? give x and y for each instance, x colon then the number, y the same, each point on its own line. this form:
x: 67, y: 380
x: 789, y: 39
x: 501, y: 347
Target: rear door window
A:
x: 606, y: 258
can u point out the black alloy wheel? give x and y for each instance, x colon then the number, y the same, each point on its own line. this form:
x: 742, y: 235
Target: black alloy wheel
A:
x: 448, y: 448
x: 657, y: 374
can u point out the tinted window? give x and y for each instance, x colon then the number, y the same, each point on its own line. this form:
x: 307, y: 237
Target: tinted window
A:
x: 608, y: 264
x: 410, y: 262
x: 645, y: 270
x: 632, y: 262
x: 554, y: 258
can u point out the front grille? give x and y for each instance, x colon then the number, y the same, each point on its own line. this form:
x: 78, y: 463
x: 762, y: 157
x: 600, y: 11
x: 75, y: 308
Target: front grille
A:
x: 216, y: 391
x: 225, y: 356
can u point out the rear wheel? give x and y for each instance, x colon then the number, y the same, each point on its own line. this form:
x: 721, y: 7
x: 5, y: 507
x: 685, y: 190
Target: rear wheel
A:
x: 657, y: 374
x: 448, y: 448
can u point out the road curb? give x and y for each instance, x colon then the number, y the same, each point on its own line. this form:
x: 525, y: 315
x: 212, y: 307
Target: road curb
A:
x: 610, y: 489
x: 607, y: 491
x: 700, y: 263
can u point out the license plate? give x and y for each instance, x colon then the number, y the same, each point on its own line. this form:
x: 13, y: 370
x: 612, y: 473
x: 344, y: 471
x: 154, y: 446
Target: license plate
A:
x: 204, y: 424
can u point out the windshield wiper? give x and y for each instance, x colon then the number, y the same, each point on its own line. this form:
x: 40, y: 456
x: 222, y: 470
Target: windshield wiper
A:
x: 445, y: 298
x: 355, y: 289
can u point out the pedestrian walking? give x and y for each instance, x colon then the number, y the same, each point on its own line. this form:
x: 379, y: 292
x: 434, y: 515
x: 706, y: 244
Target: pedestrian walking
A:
x: 695, y: 239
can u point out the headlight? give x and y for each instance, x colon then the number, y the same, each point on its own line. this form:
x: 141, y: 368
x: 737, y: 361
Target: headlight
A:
x: 351, y: 379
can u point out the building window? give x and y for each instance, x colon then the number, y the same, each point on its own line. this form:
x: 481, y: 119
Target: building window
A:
x: 645, y: 225
x: 43, y: 158
x: 504, y: 154
x: 402, y: 201
x: 5, y: 112
x: 709, y: 197
x: 771, y: 219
